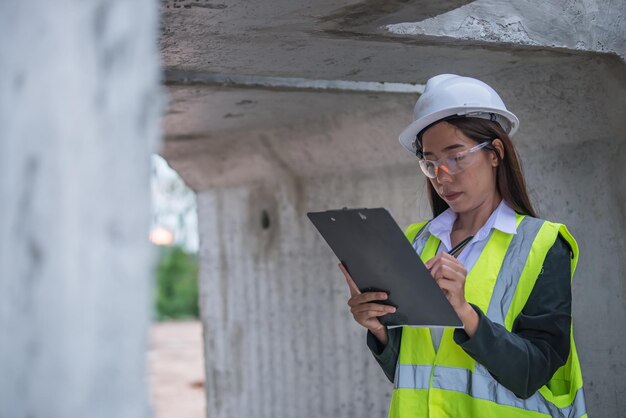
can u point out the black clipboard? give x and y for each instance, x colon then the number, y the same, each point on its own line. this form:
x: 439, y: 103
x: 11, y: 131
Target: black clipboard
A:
x: 378, y: 256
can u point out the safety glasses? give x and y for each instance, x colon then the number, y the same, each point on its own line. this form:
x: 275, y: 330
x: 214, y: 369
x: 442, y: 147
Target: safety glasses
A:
x: 453, y: 164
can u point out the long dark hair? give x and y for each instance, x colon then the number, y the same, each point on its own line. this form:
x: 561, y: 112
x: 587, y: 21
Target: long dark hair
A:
x: 509, y: 177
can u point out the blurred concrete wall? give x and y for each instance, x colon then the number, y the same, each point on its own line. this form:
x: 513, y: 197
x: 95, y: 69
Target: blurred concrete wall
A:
x: 80, y: 105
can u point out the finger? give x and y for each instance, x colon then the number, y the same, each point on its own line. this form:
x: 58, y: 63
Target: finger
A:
x: 449, y: 266
x: 369, y: 306
x: 447, y: 272
x: 354, y: 289
x: 445, y: 257
x: 449, y: 284
x: 457, y: 268
x: 373, y: 307
x: 436, y: 271
x: 367, y: 316
x: 442, y: 257
x: 366, y: 297
x: 429, y: 264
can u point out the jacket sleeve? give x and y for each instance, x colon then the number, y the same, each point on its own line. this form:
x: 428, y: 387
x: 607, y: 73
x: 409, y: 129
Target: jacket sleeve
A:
x: 386, y: 356
x: 526, y: 358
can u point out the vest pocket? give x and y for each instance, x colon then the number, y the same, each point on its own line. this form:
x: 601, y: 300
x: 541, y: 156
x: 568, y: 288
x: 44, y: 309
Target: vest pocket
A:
x: 559, y: 387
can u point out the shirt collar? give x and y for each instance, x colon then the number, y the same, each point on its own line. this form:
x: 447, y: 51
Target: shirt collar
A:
x: 502, y: 218
x: 506, y: 220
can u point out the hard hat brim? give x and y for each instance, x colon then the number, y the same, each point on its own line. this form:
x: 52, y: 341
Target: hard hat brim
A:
x: 407, y: 137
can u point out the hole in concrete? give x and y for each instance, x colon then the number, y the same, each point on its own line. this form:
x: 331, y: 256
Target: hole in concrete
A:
x: 265, y: 219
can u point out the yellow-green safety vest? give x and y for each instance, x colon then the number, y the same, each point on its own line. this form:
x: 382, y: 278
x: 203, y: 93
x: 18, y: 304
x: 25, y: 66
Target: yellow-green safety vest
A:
x: 450, y: 383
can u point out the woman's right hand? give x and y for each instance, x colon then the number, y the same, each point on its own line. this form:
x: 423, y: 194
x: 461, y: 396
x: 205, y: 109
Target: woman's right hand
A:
x: 365, y: 311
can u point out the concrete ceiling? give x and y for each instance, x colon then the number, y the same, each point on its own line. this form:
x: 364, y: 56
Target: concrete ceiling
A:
x: 219, y: 136
x: 221, y: 131
x: 312, y: 39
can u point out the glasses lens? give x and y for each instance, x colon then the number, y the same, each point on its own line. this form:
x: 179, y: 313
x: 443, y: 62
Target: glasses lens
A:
x: 428, y: 167
x: 463, y: 160
x: 458, y: 163
x: 452, y: 165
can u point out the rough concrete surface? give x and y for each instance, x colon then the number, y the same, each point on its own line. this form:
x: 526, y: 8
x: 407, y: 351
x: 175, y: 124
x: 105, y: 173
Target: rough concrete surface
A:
x: 79, y: 117
x: 280, y: 340
x: 341, y: 41
x: 584, y: 189
x: 586, y: 25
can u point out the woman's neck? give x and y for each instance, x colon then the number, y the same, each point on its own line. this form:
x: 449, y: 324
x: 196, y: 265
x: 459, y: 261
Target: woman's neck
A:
x: 471, y: 221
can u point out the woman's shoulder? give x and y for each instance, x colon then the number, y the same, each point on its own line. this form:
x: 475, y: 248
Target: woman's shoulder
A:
x: 561, y: 234
x: 539, y: 221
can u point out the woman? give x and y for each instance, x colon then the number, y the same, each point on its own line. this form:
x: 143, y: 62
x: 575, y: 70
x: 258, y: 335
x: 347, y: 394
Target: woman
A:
x: 510, y: 285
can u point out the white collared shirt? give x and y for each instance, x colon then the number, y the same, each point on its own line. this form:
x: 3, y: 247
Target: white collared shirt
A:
x: 502, y: 219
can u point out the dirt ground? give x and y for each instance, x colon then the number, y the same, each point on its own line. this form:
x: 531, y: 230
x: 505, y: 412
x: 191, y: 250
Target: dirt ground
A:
x: 176, y: 367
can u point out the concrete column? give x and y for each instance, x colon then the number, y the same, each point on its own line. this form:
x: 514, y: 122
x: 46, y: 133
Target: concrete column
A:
x: 280, y: 340
x: 79, y: 117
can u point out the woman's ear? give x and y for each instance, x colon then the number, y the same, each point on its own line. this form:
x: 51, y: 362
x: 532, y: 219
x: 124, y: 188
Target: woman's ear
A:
x: 499, y: 148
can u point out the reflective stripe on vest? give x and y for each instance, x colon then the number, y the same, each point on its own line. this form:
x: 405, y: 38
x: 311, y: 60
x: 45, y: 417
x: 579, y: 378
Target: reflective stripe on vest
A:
x: 511, y: 271
x: 481, y: 385
x: 412, y: 376
x: 501, y: 293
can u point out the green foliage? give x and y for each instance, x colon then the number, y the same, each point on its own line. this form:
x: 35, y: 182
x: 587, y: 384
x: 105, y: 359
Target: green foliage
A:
x: 176, y: 290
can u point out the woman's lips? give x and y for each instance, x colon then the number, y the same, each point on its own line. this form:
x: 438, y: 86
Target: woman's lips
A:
x: 451, y: 196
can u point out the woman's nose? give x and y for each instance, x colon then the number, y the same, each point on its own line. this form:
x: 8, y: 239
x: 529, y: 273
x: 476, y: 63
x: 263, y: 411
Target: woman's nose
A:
x: 442, y: 174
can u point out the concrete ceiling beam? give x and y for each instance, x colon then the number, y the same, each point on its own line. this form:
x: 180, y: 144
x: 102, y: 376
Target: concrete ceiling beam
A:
x: 587, y: 25
x: 178, y: 77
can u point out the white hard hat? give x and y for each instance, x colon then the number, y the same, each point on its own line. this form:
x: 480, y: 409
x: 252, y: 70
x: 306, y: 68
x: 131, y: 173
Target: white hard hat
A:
x: 448, y: 95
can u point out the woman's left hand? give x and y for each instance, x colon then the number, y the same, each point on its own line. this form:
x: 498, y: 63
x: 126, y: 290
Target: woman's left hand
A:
x: 450, y: 275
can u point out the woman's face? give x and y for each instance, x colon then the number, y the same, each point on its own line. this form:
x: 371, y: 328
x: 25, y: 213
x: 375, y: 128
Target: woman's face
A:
x: 470, y: 188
